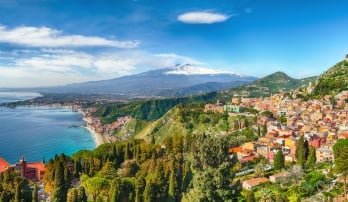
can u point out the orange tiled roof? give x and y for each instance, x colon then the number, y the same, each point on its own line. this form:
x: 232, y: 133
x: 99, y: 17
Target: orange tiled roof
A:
x: 239, y: 150
x: 256, y: 181
x: 3, y: 165
x: 38, y: 165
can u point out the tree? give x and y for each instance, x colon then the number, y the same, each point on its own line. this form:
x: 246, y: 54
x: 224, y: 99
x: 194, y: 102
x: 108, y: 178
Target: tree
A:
x: 35, y: 196
x: 341, y: 163
x: 95, y: 185
x: 266, y: 195
x: 279, y: 161
x: 116, y: 189
x: 264, y: 129
x: 250, y: 196
x: 213, y: 184
x: 312, y: 158
x: 297, y: 172
x: 60, y: 187
x: 302, y: 151
x: 82, y: 197
x: 172, y: 187
x: 260, y: 170
x: 73, y: 195
x: 139, y: 188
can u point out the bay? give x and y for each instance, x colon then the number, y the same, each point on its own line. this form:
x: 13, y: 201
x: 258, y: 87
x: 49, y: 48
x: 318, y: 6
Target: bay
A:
x: 40, y: 132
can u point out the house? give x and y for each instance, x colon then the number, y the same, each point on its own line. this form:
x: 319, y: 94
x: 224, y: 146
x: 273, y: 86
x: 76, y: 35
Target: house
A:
x: 324, y: 153
x: 279, y: 177
x: 253, y: 183
x: 3, y: 165
x: 232, y: 108
x: 213, y: 108
x: 33, y: 171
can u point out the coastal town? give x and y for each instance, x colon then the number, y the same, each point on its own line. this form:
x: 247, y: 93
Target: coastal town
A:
x: 284, y: 119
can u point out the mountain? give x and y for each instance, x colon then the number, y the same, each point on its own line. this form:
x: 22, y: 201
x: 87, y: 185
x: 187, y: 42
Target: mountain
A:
x: 333, y: 81
x: 182, y: 80
x: 268, y: 85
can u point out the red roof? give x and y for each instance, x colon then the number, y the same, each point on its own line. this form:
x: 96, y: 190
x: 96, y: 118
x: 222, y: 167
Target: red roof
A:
x: 3, y: 165
x: 38, y: 165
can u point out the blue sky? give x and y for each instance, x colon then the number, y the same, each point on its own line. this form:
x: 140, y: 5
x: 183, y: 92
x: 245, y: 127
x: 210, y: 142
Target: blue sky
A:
x: 54, y: 42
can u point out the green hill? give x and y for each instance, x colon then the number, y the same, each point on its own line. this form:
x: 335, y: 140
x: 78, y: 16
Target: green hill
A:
x: 268, y: 85
x: 333, y: 81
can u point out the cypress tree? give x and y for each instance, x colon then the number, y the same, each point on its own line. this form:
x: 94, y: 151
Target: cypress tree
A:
x: 172, y: 187
x: 299, y: 153
x: 279, y: 161
x: 82, y: 197
x: 115, y: 191
x: 250, y: 196
x: 312, y: 158
x: 73, y: 195
x: 139, y: 189
x: 126, y: 153
x: 35, y: 196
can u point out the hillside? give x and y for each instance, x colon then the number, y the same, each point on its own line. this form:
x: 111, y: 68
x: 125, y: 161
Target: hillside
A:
x: 333, y: 81
x: 267, y: 85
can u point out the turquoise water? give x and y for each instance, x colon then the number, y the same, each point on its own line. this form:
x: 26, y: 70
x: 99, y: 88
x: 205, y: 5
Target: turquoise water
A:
x: 39, y: 133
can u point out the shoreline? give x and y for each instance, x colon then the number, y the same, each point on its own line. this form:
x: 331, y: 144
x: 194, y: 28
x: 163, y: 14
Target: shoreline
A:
x: 98, y: 139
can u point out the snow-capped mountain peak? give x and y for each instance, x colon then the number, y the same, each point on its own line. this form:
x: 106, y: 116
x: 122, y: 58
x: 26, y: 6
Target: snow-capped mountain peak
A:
x: 188, y: 69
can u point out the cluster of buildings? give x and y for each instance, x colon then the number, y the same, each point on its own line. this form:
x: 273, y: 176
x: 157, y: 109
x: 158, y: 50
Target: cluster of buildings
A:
x: 104, y: 129
x: 33, y: 171
x: 321, y: 122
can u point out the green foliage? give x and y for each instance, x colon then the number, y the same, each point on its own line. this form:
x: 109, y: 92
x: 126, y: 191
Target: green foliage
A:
x: 302, y: 151
x: 279, y: 161
x: 312, y: 158
x: 148, y: 110
x: 341, y: 163
x: 95, y: 186
x: 266, y: 86
x: 333, y: 81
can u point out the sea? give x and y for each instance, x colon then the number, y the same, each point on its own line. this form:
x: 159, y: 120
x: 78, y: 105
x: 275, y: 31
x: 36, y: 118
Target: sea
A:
x: 39, y: 132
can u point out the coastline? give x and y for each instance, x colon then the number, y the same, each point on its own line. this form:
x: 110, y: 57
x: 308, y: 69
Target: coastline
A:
x: 98, y: 139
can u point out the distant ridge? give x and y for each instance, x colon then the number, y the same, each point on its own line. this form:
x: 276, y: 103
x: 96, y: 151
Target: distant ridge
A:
x: 183, y: 80
x: 268, y: 85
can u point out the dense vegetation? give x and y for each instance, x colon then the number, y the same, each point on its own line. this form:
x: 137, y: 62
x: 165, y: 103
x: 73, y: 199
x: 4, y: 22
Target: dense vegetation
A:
x: 16, y: 188
x: 266, y: 86
x: 188, y: 168
x: 148, y: 110
x: 332, y: 81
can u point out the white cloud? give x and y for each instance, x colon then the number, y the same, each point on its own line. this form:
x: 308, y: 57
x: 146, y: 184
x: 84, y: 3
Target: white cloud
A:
x: 47, y: 37
x: 202, y: 17
x: 49, y: 67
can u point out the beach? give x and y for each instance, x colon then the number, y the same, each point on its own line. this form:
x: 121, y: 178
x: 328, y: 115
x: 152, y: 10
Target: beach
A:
x: 97, y: 137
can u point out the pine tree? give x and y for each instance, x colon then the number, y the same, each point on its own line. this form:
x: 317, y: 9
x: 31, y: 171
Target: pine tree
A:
x: 279, y: 161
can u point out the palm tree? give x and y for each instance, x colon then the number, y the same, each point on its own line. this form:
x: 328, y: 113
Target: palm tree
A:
x: 267, y: 195
x: 296, y: 190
